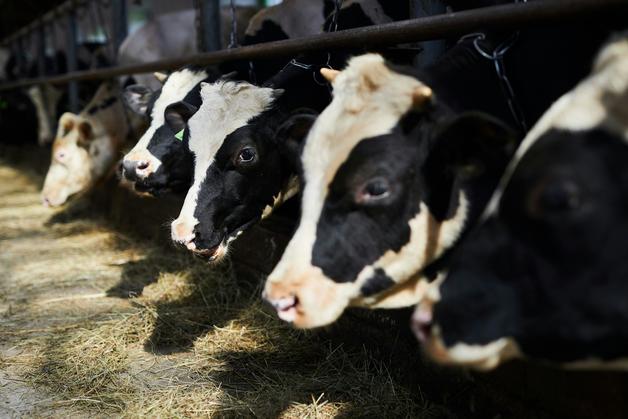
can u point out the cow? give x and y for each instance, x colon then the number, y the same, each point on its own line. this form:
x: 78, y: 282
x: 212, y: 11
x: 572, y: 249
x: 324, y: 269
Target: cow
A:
x: 160, y: 162
x: 397, y: 168
x: 252, y: 169
x: 87, y: 145
x: 297, y: 18
x: 226, y: 106
x: 544, y: 273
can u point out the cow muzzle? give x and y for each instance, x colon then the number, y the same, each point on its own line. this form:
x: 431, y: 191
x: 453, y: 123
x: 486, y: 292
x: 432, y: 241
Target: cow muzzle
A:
x: 139, y: 165
x: 307, y: 299
x: 182, y: 232
x: 135, y: 170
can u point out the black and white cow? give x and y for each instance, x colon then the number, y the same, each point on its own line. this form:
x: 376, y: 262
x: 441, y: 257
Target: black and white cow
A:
x: 544, y: 274
x: 396, y: 169
x: 160, y: 162
x: 294, y: 18
x: 251, y: 169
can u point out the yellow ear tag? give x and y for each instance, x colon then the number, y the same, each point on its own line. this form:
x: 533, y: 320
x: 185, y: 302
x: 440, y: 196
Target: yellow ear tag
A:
x: 179, y: 135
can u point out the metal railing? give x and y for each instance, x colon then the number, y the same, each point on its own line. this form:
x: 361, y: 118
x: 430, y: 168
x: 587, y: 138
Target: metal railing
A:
x: 511, y: 16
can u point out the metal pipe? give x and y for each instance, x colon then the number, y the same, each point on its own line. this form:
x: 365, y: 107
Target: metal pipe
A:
x: 435, y: 48
x: 209, y: 22
x: 511, y: 16
x: 41, y: 51
x: 120, y: 23
x: 71, y: 56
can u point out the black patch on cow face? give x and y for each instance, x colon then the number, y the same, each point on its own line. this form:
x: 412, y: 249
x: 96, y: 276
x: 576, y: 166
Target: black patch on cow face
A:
x: 549, y: 268
x: 177, y: 162
x: 373, y: 196
x: 246, y: 174
x: 430, y: 157
x: 377, y: 283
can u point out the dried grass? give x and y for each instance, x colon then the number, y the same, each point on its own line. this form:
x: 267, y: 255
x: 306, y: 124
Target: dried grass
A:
x: 100, y: 323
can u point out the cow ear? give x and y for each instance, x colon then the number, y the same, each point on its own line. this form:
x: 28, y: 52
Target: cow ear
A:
x: 472, y: 142
x: 473, y: 149
x: 137, y: 98
x: 177, y: 115
x: 86, y: 132
x: 291, y: 135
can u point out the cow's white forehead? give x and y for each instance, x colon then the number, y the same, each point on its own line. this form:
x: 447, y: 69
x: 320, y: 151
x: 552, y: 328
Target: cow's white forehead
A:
x: 599, y: 101
x: 369, y: 100
x: 177, y: 86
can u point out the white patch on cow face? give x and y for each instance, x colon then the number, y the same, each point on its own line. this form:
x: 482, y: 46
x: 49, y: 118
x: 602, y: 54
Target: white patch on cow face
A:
x: 80, y: 160
x: 369, y: 100
x: 226, y: 106
x: 585, y: 107
x: 177, y: 86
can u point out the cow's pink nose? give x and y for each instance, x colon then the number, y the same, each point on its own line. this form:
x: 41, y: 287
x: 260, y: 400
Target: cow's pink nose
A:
x: 46, y: 202
x: 183, y: 232
x: 60, y: 155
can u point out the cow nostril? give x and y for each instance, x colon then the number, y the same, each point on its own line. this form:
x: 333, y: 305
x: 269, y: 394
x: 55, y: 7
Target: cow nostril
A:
x: 46, y: 202
x: 60, y: 155
x: 129, y: 169
x: 142, y: 165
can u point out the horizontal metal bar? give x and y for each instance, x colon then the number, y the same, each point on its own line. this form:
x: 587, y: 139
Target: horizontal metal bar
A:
x: 53, y: 14
x: 511, y: 16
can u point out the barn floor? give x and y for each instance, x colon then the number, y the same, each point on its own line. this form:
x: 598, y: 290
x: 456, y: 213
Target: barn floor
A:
x: 98, y: 318
x: 97, y: 322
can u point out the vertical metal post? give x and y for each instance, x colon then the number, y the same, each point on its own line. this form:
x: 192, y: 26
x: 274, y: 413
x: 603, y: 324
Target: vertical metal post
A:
x: 17, y: 51
x: 120, y: 23
x: 71, y: 56
x: 41, y: 50
x: 209, y: 20
x: 431, y: 49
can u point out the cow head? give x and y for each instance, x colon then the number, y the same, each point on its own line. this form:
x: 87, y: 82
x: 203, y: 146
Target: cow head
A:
x: 160, y: 161
x: 388, y: 176
x: 86, y: 146
x: 225, y: 156
x: 544, y: 274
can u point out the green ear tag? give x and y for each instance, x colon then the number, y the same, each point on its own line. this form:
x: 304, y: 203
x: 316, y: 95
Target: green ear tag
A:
x: 179, y: 135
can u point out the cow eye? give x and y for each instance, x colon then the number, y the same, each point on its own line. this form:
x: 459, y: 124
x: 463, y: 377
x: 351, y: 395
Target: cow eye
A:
x: 555, y: 197
x: 246, y: 155
x: 374, y: 190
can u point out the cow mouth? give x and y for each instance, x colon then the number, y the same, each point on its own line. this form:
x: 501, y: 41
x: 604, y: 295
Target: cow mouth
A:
x: 422, y: 322
x: 211, y: 254
x: 287, y: 308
